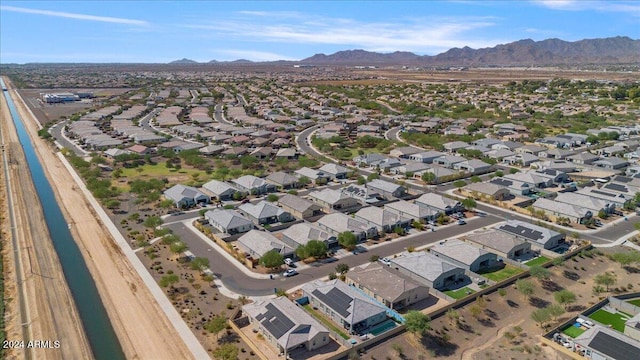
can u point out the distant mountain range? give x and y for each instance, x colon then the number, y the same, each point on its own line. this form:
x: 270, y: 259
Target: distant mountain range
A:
x: 614, y: 50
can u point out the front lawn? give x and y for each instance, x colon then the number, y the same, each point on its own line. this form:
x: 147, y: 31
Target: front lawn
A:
x: 573, y: 331
x: 635, y: 302
x: 460, y: 293
x: 328, y: 323
x: 502, y: 274
x: 537, y: 261
x: 616, y: 320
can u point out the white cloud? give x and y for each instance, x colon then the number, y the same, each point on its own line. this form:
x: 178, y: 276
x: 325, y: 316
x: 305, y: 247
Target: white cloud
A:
x: 423, y: 35
x: 235, y: 54
x: 631, y: 7
x: 75, y: 16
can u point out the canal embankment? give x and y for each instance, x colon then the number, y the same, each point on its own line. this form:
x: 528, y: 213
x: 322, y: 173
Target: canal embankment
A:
x: 143, y: 329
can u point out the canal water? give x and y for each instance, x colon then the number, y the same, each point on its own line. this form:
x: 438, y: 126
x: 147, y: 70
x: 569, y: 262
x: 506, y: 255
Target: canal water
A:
x: 102, y: 338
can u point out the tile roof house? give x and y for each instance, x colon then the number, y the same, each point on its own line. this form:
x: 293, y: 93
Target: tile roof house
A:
x: 344, y: 305
x: 367, y: 160
x: 449, y: 160
x: 501, y: 243
x: 611, y: 163
x: 331, y: 199
x: 583, y: 158
x: 411, y: 211
x: 265, y: 213
x: 386, y: 285
x: 536, y: 235
x: 473, y: 166
x: 228, y: 221
x: 299, y: 207
x: 283, y: 180
x: 337, y: 223
x: 256, y: 243
x: 439, y: 203
x: 488, y: 190
x: 428, y: 269
x: 386, y: 189
x: 454, y: 146
x: 594, y: 204
x: 222, y: 190
x: 285, y: 325
x: 465, y: 255
x: 426, y: 156
x: 555, y: 209
x: 185, y: 196
x: 300, y: 234
x: 316, y: 176
x: 254, y: 185
x: 335, y: 171
x: 404, y: 152
x: 382, y: 220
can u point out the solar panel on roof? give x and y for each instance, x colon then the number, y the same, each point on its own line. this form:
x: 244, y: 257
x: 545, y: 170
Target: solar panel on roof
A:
x: 501, y: 182
x: 622, y: 179
x: 523, y: 231
x: 276, y: 323
x: 616, y: 187
x: 603, y: 193
x: 614, y: 347
x: 336, y: 300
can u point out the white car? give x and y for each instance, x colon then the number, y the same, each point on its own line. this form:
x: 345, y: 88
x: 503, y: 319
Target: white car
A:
x: 289, y: 273
x: 288, y: 261
x: 386, y: 261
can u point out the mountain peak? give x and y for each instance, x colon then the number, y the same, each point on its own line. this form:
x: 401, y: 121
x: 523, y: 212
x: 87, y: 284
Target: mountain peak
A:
x: 184, y: 61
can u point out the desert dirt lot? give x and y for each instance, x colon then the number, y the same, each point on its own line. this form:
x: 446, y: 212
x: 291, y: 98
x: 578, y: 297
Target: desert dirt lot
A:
x: 489, y: 335
x: 142, y: 328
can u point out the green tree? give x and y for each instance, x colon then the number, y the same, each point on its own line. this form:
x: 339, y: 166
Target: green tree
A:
x: 513, y: 171
x: 199, y: 263
x: 215, y: 325
x: 272, y: 198
x: 347, y: 240
x: 317, y: 248
x: 565, y: 297
x: 178, y: 247
x: 469, y: 203
x: 153, y: 221
x: 541, y: 316
x: 499, y: 173
x: 168, y: 280
x: 166, y: 204
x: 342, y: 268
x: 374, y: 258
x: 602, y: 214
x: 361, y: 180
x: 429, y: 177
x: 373, y: 176
x: 226, y: 351
x: 417, y: 323
x: 475, y: 179
x: 112, y: 204
x: 525, y: 287
x: 459, y: 183
x: 555, y: 310
x: 607, y: 279
x: 272, y: 259
x: 539, y: 272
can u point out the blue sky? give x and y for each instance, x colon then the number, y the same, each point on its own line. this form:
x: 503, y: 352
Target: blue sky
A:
x: 162, y: 31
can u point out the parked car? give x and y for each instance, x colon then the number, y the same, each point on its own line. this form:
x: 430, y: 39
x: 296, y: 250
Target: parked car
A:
x: 290, y: 272
x: 289, y: 262
x: 461, y: 222
x: 386, y: 261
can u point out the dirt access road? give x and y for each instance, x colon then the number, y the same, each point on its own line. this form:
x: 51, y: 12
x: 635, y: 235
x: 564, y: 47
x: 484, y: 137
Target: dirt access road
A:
x: 142, y: 328
x: 50, y: 311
